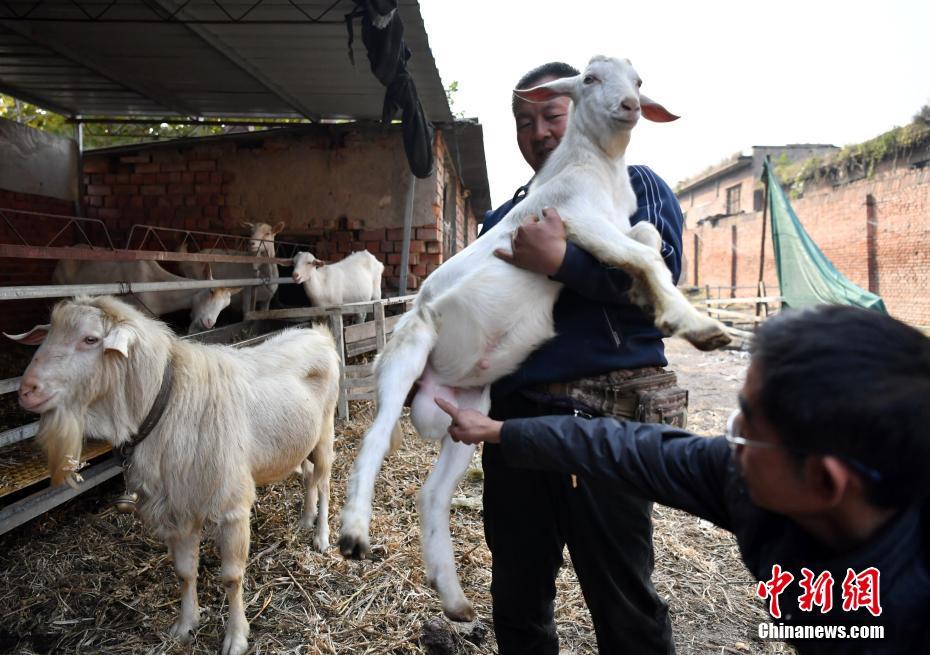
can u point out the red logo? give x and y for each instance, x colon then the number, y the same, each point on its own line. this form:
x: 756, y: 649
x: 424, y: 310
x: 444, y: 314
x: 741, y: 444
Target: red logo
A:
x: 861, y: 590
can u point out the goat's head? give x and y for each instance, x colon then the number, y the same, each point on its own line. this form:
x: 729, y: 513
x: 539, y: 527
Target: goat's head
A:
x: 606, y: 101
x: 81, y: 355
x: 207, y: 305
x: 261, y: 237
x: 304, y: 265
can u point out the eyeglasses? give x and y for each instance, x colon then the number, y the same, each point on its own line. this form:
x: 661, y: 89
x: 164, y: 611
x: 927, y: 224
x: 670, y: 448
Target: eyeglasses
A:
x: 735, y: 438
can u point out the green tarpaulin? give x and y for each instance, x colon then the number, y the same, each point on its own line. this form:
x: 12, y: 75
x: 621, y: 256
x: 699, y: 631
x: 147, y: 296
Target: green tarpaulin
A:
x: 805, y: 276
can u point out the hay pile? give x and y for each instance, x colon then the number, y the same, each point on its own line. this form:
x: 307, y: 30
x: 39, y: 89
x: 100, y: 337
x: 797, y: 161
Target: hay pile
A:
x: 86, y: 579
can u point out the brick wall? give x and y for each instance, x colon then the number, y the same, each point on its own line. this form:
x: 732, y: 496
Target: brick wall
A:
x: 338, y: 190
x: 837, y: 218
x: 20, y: 315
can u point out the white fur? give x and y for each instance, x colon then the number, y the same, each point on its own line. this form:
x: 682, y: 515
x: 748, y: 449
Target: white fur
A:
x: 357, y: 278
x: 235, y: 419
x: 477, y: 318
x: 261, y: 244
x: 205, y: 304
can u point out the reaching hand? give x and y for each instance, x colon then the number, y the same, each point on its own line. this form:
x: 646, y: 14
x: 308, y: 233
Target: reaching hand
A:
x: 538, y: 245
x: 469, y: 426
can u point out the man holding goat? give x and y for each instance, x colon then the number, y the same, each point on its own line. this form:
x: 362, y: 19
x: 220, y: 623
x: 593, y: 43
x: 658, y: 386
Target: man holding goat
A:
x: 606, y: 359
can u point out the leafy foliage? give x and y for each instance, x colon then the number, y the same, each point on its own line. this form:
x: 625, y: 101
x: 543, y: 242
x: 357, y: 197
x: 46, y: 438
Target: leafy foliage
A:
x: 104, y: 135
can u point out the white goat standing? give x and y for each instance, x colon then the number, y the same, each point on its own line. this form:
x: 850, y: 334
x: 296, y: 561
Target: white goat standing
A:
x: 477, y: 318
x: 205, y: 304
x: 235, y: 419
x: 357, y: 278
x: 261, y: 244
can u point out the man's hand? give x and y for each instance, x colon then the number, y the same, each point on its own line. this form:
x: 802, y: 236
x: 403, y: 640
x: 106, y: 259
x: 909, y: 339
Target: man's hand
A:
x: 538, y: 245
x: 469, y: 426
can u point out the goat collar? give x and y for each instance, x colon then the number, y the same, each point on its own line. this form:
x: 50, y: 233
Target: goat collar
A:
x: 155, y: 413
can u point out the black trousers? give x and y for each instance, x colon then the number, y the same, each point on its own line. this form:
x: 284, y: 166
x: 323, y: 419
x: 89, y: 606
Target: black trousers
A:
x: 529, y: 516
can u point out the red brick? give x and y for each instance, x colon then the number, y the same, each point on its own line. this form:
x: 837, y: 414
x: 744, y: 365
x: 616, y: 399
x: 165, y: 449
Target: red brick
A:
x: 153, y: 189
x: 174, y: 166
x: 372, y: 235
x: 203, y: 177
x: 98, y: 190
x: 206, y: 188
x: 431, y: 259
x: 128, y: 189
x: 96, y: 165
x: 107, y: 214
x: 433, y: 247
x: 216, y: 178
x: 202, y: 165
x: 185, y: 189
x: 232, y: 213
x: 386, y: 246
x: 393, y: 258
x: 417, y: 246
x: 135, y: 159
x: 109, y: 178
x: 395, y: 234
x: 148, y: 168
x: 428, y: 234
x: 373, y: 247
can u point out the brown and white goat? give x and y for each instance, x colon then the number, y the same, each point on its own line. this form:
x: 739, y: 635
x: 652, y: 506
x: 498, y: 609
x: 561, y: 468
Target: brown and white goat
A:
x: 234, y: 419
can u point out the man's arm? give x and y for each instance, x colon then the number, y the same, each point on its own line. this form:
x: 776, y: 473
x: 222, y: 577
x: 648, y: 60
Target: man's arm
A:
x: 656, y: 462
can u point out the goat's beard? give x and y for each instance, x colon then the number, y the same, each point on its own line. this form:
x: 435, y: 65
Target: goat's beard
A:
x: 61, y: 435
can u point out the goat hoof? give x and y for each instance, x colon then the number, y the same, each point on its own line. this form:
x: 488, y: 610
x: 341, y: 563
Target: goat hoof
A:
x: 462, y: 613
x: 709, y: 338
x: 353, y: 548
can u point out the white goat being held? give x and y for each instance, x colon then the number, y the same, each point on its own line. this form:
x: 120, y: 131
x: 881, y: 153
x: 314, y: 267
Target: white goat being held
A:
x: 357, y: 278
x: 234, y: 419
x: 477, y: 317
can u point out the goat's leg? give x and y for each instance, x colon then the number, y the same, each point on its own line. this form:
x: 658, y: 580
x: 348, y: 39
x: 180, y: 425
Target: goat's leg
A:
x: 674, y: 314
x: 398, y: 368
x: 316, y: 504
x: 234, y: 551
x: 185, y: 553
x: 434, y: 502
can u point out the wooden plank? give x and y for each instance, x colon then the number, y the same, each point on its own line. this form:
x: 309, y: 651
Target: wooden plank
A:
x: 105, y: 254
x: 31, y: 466
x: 18, y: 434
x: 9, y: 385
x: 359, y: 371
x: 362, y: 396
x: 38, y: 503
x: 335, y: 326
x: 381, y: 327
x: 744, y: 301
x: 369, y: 329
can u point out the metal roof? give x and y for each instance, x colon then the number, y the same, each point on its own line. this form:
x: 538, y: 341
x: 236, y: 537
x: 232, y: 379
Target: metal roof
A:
x: 202, y: 58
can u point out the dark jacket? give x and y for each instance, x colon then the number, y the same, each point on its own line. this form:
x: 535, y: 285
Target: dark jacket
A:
x: 597, y: 328
x: 699, y: 475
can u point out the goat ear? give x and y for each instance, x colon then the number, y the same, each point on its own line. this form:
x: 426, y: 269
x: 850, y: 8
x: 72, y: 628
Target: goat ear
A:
x: 207, y: 271
x: 119, y: 339
x: 277, y: 228
x: 247, y: 224
x: 318, y: 263
x: 655, y: 112
x: 564, y: 86
x: 33, y: 337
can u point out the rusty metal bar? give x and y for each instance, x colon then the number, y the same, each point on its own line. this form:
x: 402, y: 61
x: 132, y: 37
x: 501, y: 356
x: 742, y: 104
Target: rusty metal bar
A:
x: 101, y: 254
x: 63, y: 290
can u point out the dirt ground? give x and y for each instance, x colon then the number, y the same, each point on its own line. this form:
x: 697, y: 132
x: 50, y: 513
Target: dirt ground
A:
x: 84, y: 579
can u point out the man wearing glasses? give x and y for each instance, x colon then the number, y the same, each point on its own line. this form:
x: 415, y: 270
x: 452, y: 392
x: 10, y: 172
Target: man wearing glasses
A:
x: 825, y: 468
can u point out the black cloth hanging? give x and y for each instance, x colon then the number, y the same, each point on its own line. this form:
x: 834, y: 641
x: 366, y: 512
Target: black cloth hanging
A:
x: 388, y: 55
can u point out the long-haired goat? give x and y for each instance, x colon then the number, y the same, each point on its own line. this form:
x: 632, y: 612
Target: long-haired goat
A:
x: 234, y: 419
x: 477, y: 318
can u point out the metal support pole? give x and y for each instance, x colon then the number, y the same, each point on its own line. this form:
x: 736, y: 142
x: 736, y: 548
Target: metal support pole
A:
x: 408, y: 227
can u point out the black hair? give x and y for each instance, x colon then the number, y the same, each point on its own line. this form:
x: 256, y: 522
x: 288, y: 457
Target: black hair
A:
x: 555, y: 69
x: 855, y: 383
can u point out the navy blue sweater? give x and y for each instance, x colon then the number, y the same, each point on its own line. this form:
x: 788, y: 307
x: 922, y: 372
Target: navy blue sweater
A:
x: 699, y: 475
x: 597, y: 328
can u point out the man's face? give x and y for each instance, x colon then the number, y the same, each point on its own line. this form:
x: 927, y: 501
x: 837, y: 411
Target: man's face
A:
x: 773, y: 476
x: 540, y: 126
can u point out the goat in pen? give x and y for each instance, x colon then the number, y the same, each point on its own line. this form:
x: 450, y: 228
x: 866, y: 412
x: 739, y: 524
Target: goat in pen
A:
x: 200, y: 426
